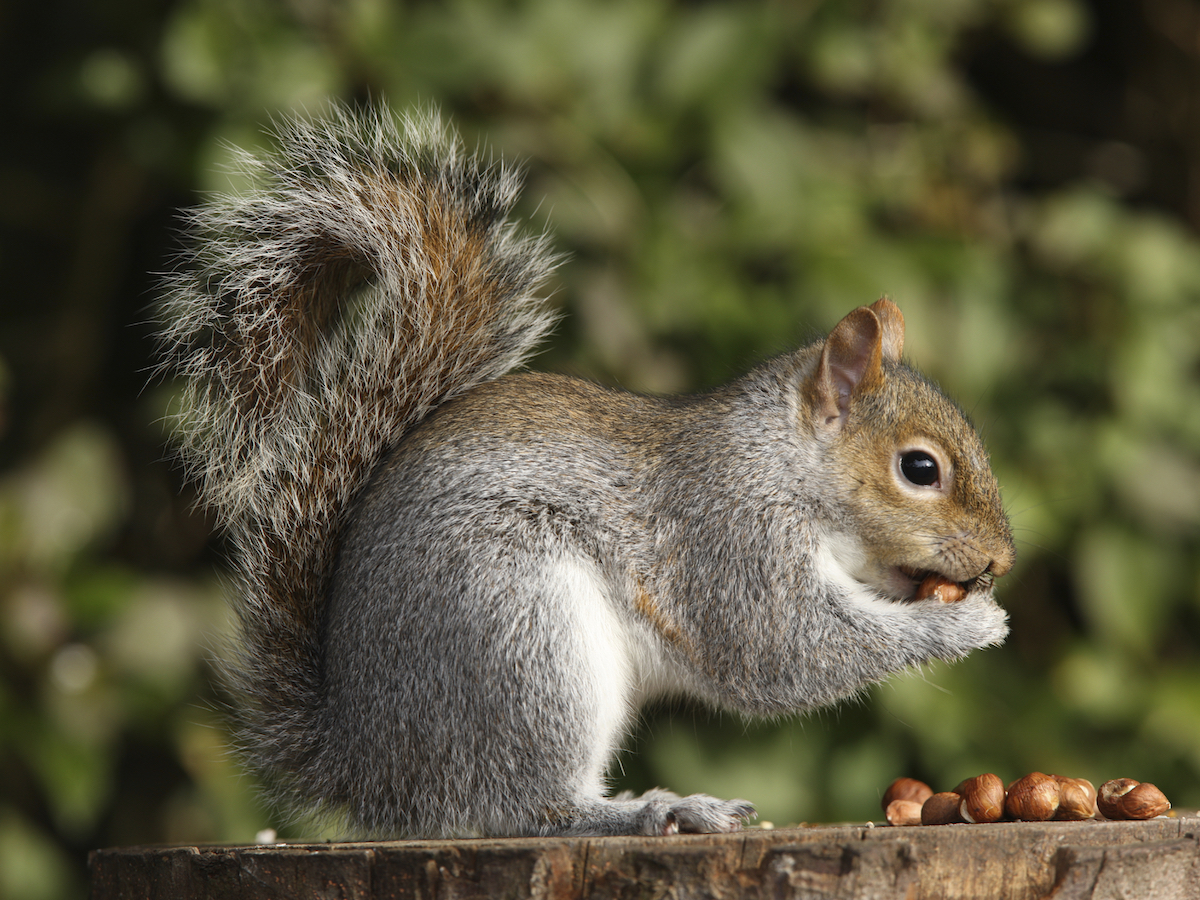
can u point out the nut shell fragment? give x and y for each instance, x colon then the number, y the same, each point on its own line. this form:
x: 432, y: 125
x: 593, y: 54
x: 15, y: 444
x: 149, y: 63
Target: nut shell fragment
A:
x: 937, y: 587
x: 903, y: 812
x: 1124, y: 798
x: 906, y: 789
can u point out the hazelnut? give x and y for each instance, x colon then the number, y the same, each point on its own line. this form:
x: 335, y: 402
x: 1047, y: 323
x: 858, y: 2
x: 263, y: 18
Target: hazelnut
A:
x: 982, y: 798
x: 1076, y: 798
x: 906, y: 789
x: 1034, y: 798
x: 942, y: 809
x: 1124, y: 798
x: 936, y: 587
x: 903, y: 812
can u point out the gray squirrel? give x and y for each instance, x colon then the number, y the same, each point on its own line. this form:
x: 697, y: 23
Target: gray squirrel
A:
x: 456, y: 585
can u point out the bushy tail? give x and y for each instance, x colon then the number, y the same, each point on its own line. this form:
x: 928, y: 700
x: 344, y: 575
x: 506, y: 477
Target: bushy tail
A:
x: 369, y: 275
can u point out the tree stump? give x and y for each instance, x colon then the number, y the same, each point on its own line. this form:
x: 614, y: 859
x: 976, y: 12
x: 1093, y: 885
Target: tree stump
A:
x: 1159, y: 858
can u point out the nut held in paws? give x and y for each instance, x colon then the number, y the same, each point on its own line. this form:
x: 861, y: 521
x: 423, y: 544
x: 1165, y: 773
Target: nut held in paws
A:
x: 936, y: 587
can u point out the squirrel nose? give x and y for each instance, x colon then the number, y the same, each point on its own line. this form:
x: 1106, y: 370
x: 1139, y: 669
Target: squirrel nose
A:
x: 1000, y: 565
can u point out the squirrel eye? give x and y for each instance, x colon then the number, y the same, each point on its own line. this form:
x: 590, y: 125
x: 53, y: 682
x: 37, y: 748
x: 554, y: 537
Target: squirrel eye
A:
x: 920, y: 468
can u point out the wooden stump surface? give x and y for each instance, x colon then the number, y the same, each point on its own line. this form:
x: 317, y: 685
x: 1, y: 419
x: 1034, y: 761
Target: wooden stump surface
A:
x: 1011, y: 860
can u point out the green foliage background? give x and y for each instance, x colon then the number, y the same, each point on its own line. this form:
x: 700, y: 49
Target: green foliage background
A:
x: 729, y: 178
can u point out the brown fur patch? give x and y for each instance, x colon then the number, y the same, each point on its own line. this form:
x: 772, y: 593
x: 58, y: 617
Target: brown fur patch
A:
x: 645, y: 604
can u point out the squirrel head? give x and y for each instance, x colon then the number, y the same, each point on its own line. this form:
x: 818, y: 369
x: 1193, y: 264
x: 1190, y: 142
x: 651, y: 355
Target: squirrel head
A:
x: 909, y: 475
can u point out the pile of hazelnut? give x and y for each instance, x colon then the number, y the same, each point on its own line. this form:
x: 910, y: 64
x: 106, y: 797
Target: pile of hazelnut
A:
x: 1034, y: 798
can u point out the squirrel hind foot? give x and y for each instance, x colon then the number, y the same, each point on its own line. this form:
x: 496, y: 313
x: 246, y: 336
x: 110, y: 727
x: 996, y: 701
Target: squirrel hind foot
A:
x: 655, y: 812
x: 702, y: 814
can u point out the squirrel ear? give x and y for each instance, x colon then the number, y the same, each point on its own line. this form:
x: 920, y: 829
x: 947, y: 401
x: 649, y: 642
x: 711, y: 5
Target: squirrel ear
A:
x: 892, y: 321
x: 852, y: 361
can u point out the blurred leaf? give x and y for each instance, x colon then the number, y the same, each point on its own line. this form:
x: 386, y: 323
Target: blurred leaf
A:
x: 32, y: 867
x: 112, y: 79
x: 1159, y: 484
x: 1049, y: 28
x: 1124, y: 587
x: 76, y: 776
x: 34, y: 620
x: 160, y: 634
x: 1173, y: 721
x: 74, y: 496
x: 1100, y: 684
